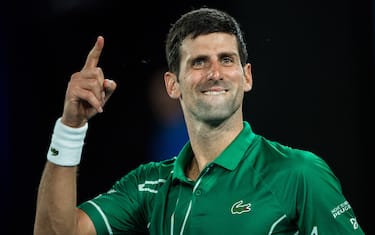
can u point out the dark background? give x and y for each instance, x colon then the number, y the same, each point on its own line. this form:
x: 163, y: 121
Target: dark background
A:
x: 313, y: 72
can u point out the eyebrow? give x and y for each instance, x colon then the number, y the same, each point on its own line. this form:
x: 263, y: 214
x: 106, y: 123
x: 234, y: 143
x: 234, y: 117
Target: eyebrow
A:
x: 220, y: 55
x: 231, y: 54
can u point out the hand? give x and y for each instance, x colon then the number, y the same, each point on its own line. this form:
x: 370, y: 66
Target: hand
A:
x: 88, y: 90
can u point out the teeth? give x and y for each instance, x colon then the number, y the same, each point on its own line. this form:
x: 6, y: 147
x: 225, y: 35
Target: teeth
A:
x: 214, y: 92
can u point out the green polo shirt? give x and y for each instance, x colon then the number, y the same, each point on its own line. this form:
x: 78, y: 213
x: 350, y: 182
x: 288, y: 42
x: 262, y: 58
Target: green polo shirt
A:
x: 255, y: 186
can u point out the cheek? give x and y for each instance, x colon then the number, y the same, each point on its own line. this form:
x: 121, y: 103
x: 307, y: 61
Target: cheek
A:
x: 191, y: 79
x: 235, y: 75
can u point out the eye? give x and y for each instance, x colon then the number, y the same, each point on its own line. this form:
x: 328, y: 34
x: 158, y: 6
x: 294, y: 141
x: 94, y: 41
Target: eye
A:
x: 227, y: 60
x: 198, y: 63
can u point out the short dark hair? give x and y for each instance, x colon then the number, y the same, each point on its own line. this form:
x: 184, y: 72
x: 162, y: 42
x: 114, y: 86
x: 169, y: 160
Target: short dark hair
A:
x: 200, y: 22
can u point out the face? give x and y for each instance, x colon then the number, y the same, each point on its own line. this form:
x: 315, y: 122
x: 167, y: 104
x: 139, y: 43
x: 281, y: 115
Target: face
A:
x: 212, y: 81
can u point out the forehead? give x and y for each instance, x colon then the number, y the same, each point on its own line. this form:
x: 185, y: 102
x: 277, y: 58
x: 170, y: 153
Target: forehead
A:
x: 209, y: 44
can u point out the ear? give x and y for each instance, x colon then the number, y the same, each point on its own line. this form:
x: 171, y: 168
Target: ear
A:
x: 172, y: 85
x: 248, y: 77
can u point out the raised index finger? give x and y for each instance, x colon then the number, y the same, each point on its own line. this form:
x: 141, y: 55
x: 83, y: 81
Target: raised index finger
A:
x: 93, y: 56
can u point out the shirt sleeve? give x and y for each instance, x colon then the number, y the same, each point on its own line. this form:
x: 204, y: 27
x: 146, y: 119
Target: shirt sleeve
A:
x: 119, y: 210
x: 321, y: 205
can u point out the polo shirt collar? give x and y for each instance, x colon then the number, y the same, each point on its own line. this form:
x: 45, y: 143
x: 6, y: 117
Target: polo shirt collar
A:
x: 229, y: 158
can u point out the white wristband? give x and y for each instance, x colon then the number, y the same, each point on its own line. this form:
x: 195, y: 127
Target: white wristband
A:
x: 66, y: 144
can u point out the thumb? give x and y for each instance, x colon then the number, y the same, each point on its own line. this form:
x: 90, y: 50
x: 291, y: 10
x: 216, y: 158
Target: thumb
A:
x: 109, y: 87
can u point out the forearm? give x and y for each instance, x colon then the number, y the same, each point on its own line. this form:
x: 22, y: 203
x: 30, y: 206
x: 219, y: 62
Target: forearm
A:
x: 56, y: 202
x: 56, y: 211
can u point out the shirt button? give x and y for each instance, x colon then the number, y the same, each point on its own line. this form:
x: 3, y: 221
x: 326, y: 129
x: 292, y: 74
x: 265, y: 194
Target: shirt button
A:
x: 198, y: 192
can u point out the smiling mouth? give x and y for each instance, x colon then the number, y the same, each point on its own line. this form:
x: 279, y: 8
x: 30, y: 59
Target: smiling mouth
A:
x: 214, y: 92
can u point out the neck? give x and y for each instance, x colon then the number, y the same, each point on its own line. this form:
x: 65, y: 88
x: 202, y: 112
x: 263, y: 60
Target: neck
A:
x: 208, y: 143
x: 192, y: 170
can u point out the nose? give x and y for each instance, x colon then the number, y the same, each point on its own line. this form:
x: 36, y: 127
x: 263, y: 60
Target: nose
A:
x: 214, y: 71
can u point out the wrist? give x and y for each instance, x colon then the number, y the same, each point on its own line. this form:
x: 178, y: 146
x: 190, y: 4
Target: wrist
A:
x: 73, y: 123
x: 66, y: 144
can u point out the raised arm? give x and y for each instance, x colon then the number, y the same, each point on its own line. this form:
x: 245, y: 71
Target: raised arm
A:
x: 86, y: 94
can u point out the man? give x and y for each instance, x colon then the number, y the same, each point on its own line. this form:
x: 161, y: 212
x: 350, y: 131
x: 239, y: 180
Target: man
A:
x: 225, y: 180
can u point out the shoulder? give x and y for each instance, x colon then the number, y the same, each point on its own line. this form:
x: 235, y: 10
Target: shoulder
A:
x: 282, y: 159
x: 151, y: 171
x: 278, y: 152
